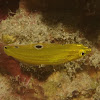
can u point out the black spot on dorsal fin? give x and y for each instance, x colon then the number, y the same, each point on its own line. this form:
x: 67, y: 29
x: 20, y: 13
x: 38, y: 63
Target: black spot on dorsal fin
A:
x: 38, y: 46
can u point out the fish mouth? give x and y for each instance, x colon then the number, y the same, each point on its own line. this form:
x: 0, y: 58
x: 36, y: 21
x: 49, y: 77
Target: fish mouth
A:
x: 88, y: 50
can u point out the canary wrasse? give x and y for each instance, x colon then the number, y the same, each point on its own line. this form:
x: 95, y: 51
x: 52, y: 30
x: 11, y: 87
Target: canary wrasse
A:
x: 47, y: 54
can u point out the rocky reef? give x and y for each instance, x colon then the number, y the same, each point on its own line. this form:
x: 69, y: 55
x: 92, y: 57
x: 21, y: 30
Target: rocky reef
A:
x: 75, y: 80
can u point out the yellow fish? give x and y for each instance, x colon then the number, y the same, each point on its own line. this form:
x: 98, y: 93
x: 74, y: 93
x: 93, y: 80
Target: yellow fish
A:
x: 47, y: 54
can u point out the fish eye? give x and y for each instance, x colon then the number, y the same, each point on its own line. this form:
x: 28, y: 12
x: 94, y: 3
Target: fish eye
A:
x: 38, y: 46
x: 5, y: 47
x: 82, y: 53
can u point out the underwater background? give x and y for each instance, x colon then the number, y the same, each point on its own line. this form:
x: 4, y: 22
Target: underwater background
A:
x: 50, y: 21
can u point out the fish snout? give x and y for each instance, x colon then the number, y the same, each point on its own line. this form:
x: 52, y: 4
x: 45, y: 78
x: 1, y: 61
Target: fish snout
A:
x: 88, y: 50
